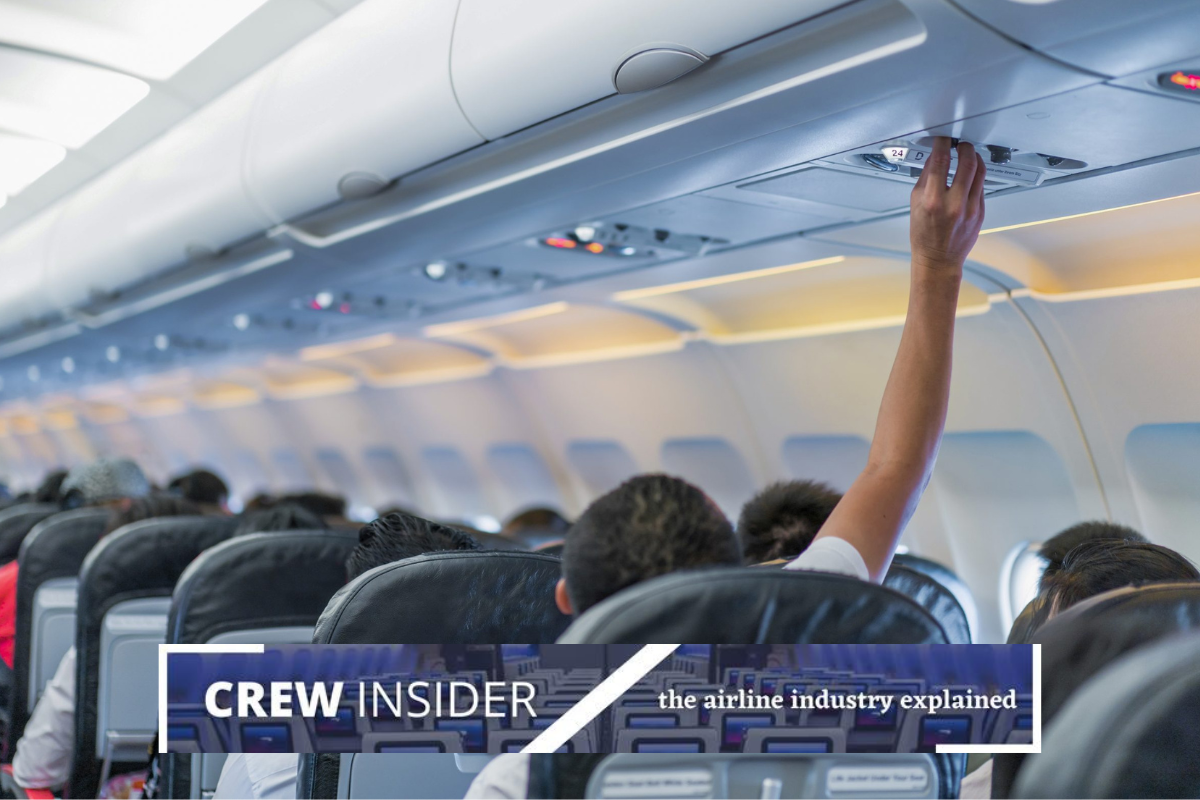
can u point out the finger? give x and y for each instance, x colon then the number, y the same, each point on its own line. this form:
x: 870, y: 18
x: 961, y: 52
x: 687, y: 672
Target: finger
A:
x: 938, y: 167
x: 975, y: 203
x: 964, y: 179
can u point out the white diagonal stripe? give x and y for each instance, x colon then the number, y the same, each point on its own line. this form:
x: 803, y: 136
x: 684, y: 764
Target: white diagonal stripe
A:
x: 600, y: 698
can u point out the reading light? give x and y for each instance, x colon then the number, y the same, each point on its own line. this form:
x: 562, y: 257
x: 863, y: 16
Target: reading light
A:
x: 113, y: 353
x: 24, y: 160
x: 61, y: 100
x: 144, y: 37
x: 585, y: 233
x: 628, y: 251
x: 323, y: 300
x: 162, y: 341
x: 1183, y: 80
x: 68, y: 365
x: 561, y: 242
x: 241, y: 321
x: 594, y: 247
x: 34, y: 373
x: 435, y: 270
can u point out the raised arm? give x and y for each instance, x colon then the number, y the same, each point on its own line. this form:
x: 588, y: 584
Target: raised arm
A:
x: 943, y: 228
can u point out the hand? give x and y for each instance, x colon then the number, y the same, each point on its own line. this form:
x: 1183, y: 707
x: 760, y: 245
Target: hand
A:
x: 945, y: 221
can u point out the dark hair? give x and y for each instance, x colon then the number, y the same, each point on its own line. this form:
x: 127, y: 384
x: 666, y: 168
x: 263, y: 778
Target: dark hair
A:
x: 540, y: 519
x: 782, y: 520
x: 49, y: 490
x: 1055, y: 549
x: 200, y: 486
x: 279, y: 517
x: 149, y: 507
x: 648, y: 526
x: 326, y: 505
x: 1102, y: 565
x: 396, y: 537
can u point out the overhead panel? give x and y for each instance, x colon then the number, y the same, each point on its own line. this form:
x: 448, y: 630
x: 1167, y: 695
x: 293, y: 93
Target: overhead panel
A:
x: 330, y: 128
x: 404, y: 362
x: 515, y: 65
x: 1112, y: 37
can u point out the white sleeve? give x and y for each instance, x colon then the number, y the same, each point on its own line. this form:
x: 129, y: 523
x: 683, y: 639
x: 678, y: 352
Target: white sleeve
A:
x: 506, y: 777
x: 43, y: 757
x: 831, y: 554
x: 262, y: 776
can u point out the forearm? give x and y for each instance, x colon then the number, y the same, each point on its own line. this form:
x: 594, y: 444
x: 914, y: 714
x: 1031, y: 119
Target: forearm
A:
x: 912, y: 413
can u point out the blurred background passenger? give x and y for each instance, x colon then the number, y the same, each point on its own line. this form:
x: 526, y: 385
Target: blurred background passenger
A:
x: 279, y: 517
x: 204, y: 488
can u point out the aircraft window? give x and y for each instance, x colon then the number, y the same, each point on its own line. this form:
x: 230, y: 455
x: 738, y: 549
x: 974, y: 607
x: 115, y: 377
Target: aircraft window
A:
x: 523, y: 477
x: 715, y: 465
x: 1019, y: 579
x: 392, y: 482
x: 602, y: 466
x: 455, y: 482
x: 835, y: 460
x: 290, y: 469
x: 1163, y: 462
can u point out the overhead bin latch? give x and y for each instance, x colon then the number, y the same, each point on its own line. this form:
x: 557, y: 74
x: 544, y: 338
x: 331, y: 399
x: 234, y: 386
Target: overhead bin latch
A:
x: 653, y: 66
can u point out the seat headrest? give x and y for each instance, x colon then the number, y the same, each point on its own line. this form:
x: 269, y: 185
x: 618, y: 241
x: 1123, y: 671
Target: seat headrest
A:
x: 1129, y: 732
x: 1027, y: 623
x: 745, y: 605
x: 261, y: 580
x: 932, y: 596
x: 15, y: 524
x: 458, y: 597
x: 946, y: 577
x: 1086, y: 638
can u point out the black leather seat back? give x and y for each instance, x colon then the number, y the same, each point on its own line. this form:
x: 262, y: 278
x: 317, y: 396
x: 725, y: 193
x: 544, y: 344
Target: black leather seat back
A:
x: 254, y: 582
x: 263, y: 580
x: 749, y: 605
x: 932, y: 596
x: 55, y: 548
x: 1130, y: 731
x: 1086, y: 638
x: 947, y: 578
x: 15, y: 524
x: 141, y: 560
x: 459, y: 597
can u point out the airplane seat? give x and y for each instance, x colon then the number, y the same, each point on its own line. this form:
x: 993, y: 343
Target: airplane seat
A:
x: 50, y: 557
x: 1026, y: 625
x: 554, y: 548
x: 946, y: 577
x: 746, y: 605
x: 1129, y: 731
x: 459, y: 597
x: 934, y: 596
x: 1089, y: 636
x: 125, y: 587
x: 15, y: 524
x: 261, y: 587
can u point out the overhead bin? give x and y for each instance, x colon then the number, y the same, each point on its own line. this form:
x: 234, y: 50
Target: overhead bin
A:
x: 1112, y: 37
x: 518, y: 64
x: 23, y: 296
x: 361, y: 103
x: 181, y: 196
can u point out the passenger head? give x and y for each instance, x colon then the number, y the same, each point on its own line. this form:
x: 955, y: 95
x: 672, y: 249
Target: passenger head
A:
x: 149, y: 507
x: 279, y: 517
x: 324, y: 505
x: 1055, y: 549
x: 400, y: 536
x: 103, y: 482
x: 201, y: 487
x: 537, y: 521
x: 1102, y: 565
x: 50, y: 490
x: 648, y: 526
x: 782, y: 520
